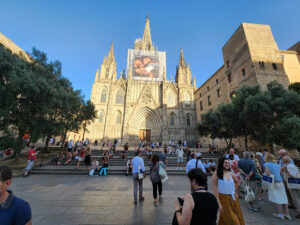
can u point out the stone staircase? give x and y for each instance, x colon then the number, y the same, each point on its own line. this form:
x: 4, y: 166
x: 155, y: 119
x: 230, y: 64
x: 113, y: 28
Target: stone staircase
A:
x: 116, y: 165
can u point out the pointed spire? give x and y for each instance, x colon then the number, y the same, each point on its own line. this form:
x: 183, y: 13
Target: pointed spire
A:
x: 97, y: 75
x: 111, y: 56
x: 181, y: 60
x: 194, y: 82
x: 147, y: 36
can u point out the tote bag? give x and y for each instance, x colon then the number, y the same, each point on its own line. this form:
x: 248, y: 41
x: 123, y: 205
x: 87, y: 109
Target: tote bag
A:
x: 140, y: 173
x: 293, y: 183
x: 267, y: 181
x: 250, y: 197
x: 91, y: 173
x: 162, y: 172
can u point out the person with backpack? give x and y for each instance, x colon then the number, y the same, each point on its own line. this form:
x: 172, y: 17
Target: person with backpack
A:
x: 155, y: 178
x: 194, y: 163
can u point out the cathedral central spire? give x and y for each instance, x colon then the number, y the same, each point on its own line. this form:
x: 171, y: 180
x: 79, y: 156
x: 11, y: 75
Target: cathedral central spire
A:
x: 146, y: 42
x: 110, y: 56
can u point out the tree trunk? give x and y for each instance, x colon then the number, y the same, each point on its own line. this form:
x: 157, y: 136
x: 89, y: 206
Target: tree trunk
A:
x: 246, y: 141
x: 84, y: 129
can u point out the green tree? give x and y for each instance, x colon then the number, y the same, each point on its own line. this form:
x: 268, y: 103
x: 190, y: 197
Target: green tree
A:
x: 274, y: 115
x: 35, y: 98
x: 295, y: 87
x: 219, y: 123
x: 243, y: 123
x: 87, y: 114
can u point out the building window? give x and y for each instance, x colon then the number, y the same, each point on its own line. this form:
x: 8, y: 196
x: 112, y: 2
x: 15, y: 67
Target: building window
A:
x: 229, y: 77
x: 107, y: 73
x: 274, y: 66
x: 187, y: 99
x: 101, y: 115
x: 207, y: 88
x: 188, y: 120
x: 208, y: 99
x: 172, y: 99
x: 172, y: 119
x: 217, y: 81
x: 262, y: 65
x: 103, y: 95
x: 227, y: 63
x: 232, y: 94
x: 200, y: 95
x: 120, y: 96
x: 219, y: 92
x: 243, y: 72
x: 201, y: 106
x: 118, y: 118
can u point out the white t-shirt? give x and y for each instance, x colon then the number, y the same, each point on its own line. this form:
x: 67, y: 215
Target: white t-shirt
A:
x: 179, y: 153
x: 293, y: 170
x: 198, y: 154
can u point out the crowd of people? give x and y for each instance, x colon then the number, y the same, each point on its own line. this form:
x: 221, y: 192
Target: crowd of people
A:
x: 233, y: 178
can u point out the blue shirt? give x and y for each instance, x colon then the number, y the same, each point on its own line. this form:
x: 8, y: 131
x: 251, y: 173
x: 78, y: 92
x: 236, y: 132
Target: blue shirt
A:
x: 15, y: 211
x: 192, y: 165
x: 136, y: 162
x: 275, y: 170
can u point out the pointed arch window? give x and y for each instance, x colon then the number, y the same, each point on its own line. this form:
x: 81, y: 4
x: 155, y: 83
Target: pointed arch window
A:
x: 172, y: 99
x: 107, y: 73
x: 172, y: 119
x: 103, y: 95
x: 188, y: 120
x: 118, y: 117
x: 101, y: 116
x: 187, y: 99
x: 120, y: 96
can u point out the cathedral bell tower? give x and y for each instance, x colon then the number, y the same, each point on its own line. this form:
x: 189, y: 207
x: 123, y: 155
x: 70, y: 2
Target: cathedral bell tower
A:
x: 183, y: 72
x: 108, y: 69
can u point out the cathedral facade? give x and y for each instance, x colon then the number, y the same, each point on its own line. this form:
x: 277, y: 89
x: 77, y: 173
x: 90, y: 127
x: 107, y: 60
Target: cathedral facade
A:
x: 143, y: 104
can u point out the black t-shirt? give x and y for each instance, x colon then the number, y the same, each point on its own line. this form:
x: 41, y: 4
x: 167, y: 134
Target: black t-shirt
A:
x: 205, y: 209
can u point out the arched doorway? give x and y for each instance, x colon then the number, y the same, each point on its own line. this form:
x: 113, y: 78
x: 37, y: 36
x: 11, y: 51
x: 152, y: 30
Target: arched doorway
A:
x: 145, y: 124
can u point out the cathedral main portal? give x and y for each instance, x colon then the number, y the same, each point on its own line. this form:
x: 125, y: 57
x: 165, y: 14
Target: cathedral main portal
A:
x: 145, y: 135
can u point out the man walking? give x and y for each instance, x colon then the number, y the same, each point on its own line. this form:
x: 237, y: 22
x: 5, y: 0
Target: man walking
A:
x: 247, y: 168
x: 179, y: 153
x: 194, y: 163
x: 13, y: 210
x: 138, y: 168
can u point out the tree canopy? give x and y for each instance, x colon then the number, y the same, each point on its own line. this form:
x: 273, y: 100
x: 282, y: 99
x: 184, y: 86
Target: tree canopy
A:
x: 36, y: 99
x: 268, y: 117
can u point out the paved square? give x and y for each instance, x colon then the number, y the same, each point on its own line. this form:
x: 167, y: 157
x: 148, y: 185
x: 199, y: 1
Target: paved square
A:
x: 78, y: 199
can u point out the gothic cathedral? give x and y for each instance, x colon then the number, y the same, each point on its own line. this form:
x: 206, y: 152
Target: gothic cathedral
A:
x: 143, y: 104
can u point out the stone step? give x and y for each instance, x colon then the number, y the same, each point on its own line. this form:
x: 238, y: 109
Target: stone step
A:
x: 113, y: 170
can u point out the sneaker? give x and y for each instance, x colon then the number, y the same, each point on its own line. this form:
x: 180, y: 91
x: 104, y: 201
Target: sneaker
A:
x: 160, y: 199
x: 298, y: 216
x: 256, y: 209
x: 288, y: 217
x: 279, y: 216
x: 142, y: 199
x: 135, y: 202
x: 250, y: 207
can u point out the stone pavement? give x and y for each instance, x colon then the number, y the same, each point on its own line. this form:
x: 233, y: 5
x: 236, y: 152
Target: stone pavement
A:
x: 79, y: 199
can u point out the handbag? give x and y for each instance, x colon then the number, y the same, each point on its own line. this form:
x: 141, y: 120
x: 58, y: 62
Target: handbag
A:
x: 162, y: 172
x: 293, y: 183
x: 164, y: 179
x: 91, y: 173
x: 250, y: 196
x: 267, y: 181
x: 140, y: 173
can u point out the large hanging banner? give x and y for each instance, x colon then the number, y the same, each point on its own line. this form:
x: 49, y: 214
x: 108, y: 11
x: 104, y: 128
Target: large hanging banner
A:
x: 146, y: 65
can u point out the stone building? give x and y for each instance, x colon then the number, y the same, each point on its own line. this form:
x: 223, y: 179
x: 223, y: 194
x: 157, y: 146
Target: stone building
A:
x: 251, y: 57
x: 151, y: 109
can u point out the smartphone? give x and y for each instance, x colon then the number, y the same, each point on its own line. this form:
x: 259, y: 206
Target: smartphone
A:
x: 180, y: 201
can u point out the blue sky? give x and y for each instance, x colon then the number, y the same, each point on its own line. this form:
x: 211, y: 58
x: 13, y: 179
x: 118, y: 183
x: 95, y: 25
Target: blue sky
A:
x: 79, y: 33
